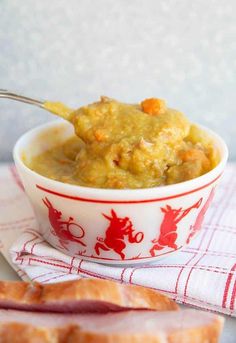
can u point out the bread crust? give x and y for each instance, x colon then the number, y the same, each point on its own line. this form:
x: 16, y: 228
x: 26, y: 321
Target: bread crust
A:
x: 115, y: 296
x: 18, y: 333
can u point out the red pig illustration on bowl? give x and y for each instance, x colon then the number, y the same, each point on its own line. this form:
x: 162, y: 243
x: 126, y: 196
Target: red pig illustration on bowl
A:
x: 62, y: 228
x: 117, y: 231
x: 169, y: 226
x: 200, y: 217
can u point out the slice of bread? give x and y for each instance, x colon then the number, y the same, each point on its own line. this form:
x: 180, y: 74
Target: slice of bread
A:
x: 84, y: 295
x: 184, y: 326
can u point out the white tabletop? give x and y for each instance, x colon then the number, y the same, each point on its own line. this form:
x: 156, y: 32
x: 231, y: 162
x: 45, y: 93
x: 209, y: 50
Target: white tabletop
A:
x: 229, y: 334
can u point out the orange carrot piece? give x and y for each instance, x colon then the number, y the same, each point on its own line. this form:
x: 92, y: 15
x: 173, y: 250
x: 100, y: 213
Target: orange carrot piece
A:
x: 153, y: 106
x: 195, y: 154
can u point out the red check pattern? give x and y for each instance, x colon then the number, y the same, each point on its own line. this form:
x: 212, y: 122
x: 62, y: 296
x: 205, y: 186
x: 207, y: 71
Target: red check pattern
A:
x: 202, y: 274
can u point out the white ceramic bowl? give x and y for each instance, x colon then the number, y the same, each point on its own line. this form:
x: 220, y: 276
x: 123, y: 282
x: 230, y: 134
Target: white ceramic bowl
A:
x: 113, y: 226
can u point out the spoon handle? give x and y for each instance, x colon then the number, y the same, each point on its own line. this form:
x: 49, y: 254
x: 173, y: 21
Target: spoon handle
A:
x: 9, y: 95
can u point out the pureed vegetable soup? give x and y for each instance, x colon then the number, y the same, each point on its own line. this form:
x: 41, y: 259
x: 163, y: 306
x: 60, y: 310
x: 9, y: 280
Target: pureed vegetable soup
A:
x: 120, y: 145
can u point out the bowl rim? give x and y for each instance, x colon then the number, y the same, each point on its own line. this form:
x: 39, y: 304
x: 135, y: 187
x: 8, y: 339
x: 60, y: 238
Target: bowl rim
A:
x: 212, y: 175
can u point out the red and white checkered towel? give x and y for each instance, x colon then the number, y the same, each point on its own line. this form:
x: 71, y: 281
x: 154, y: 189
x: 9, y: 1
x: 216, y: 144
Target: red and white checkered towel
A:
x: 202, y: 274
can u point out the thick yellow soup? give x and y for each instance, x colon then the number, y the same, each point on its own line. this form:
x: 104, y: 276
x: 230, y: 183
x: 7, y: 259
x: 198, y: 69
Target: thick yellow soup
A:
x: 120, y: 145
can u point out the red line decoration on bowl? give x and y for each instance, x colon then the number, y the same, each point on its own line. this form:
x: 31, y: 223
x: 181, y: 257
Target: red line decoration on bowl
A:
x: 118, y: 229
x: 63, y: 229
x: 99, y: 201
x: 169, y: 225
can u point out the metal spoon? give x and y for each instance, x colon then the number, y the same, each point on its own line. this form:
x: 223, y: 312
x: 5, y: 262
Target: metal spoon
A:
x: 54, y: 107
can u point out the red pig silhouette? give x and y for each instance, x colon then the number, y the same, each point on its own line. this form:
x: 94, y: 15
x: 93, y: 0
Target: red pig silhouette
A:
x: 168, y: 234
x: 116, y: 232
x: 62, y: 229
x: 200, y: 217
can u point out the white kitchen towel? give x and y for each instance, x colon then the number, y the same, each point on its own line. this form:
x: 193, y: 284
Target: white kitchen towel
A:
x: 202, y: 274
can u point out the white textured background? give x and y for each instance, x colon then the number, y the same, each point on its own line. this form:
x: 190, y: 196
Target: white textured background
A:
x: 181, y: 50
